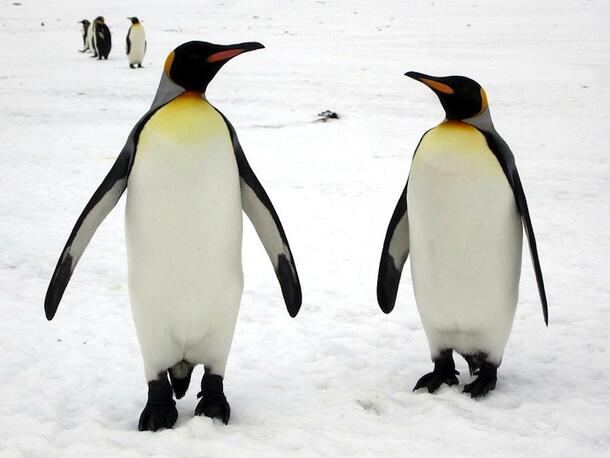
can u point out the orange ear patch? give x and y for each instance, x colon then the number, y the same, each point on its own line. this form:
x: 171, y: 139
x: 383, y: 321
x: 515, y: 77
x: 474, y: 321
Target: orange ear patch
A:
x: 483, y: 100
x: 438, y: 86
x: 168, y: 62
x: 224, y: 55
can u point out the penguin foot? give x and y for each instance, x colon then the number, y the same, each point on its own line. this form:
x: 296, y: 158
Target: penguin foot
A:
x: 132, y: 66
x: 157, y: 416
x: 434, y: 380
x: 213, y: 402
x: 213, y: 406
x: 485, y: 381
x: 139, y: 65
x: 160, y: 410
x: 444, y: 372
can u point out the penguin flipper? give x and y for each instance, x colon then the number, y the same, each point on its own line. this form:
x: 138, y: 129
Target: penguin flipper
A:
x: 128, y: 42
x: 507, y: 161
x: 393, y: 255
x: 257, y: 205
x: 101, y: 203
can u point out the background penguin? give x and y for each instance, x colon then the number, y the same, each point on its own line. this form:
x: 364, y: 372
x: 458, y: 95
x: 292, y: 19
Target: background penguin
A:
x: 91, y: 39
x: 135, y: 43
x: 461, y: 216
x: 188, y: 184
x: 86, y: 30
x: 102, y: 41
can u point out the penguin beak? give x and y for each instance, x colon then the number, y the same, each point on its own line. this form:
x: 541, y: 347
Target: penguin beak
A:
x: 231, y: 51
x: 433, y: 82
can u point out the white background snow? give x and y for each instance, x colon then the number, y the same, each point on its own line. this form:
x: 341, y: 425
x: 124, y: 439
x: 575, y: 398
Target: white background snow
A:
x: 337, y: 380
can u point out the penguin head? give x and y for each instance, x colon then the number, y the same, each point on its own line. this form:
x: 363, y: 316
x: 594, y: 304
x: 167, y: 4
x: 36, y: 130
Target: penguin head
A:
x: 84, y: 22
x: 134, y: 20
x: 99, y: 20
x: 461, y: 97
x: 192, y: 65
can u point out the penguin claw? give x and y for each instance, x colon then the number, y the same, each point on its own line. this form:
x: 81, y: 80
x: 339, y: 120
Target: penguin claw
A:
x: 434, y: 380
x: 480, y: 386
x: 157, y: 416
x: 213, y: 406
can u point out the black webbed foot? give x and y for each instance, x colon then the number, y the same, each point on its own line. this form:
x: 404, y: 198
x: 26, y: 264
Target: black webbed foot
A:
x: 157, y: 416
x: 485, y: 381
x: 160, y: 410
x: 213, y: 402
x: 444, y: 372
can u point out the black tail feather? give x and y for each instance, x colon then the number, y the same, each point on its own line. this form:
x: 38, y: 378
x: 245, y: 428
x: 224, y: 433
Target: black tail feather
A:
x: 180, y: 377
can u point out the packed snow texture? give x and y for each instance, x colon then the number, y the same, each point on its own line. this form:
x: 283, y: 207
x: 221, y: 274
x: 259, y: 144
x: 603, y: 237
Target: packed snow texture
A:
x: 337, y: 380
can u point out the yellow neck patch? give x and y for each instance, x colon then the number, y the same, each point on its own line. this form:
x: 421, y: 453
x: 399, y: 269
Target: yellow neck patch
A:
x: 455, y: 145
x: 188, y: 119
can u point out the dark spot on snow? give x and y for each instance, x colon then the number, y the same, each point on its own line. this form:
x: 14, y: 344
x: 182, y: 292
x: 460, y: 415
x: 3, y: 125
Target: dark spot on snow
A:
x: 368, y: 406
x: 17, y: 3
x: 585, y: 87
x: 326, y: 115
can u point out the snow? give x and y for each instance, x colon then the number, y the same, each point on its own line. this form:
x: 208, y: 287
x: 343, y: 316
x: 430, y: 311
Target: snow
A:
x: 336, y: 380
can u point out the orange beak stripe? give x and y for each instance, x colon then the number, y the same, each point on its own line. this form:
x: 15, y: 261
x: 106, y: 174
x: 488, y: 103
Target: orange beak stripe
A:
x: 438, y: 86
x: 224, y: 55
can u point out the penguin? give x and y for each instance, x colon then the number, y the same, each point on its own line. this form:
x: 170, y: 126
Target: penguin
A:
x: 188, y: 181
x: 90, y: 39
x: 86, y: 29
x: 461, y: 216
x: 135, y: 43
x: 102, y: 40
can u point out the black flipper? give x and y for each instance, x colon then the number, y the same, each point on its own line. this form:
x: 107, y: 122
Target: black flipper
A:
x: 395, y: 251
x: 394, y: 255
x: 507, y: 161
x: 257, y: 205
x: 128, y: 41
x: 101, y: 203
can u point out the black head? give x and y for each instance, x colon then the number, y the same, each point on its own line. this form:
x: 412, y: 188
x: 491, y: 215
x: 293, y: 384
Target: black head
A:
x: 192, y: 65
x: 85, y: 23
x: 461, y: 97
x: 99, y: 19
x: 134, y: 20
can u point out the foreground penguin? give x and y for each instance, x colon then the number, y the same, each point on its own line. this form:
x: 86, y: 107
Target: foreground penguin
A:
x: 135, y: 43
x: 461, y: 216
x: 189, y: 181
x: 86, y: 34
x: 102, y: 40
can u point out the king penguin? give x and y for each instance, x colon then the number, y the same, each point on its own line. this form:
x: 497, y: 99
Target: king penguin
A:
x: 102, y: 40
x: 86, y: 35
x: 135, y: 43
x: 461, y: 216
x: 188, y: 181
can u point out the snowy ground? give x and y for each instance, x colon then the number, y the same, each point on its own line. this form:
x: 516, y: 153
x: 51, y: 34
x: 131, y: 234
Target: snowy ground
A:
x: 337, y: 380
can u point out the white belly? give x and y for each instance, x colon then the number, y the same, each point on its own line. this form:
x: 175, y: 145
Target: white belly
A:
x: 138, y: 40
x: 465, y: 235
x: 184, y: 234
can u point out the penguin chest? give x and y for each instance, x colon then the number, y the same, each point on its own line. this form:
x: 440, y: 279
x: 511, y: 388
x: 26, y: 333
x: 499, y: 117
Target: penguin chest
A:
x: 137, y: 40
x: 465, y: 231
x: 184, y: 217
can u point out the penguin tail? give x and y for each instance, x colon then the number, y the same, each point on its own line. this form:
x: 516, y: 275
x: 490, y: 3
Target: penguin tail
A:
x: 474, y: 362
x: 180, y: 377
